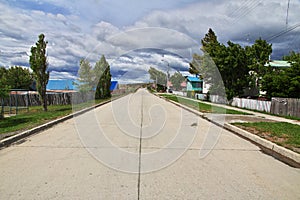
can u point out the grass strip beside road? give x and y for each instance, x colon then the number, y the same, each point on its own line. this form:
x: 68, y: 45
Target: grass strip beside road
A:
x: 281, y: 133
x: 36, y: 116
x: 202, y: 107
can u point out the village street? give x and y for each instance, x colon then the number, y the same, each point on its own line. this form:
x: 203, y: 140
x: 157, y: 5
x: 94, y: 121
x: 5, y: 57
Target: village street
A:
x: 142, y: 147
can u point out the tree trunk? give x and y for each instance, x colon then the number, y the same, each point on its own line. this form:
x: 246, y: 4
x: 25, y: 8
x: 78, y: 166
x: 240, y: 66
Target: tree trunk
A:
x: 44, y: 99
x: 2, y: 109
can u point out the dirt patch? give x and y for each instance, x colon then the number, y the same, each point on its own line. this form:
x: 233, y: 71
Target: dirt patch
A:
x: 245, y: 118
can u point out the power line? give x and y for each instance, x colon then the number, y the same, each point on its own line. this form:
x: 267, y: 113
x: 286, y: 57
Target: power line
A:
x: 287, y: 30
x: 246, y: 11
x: 240, y: 9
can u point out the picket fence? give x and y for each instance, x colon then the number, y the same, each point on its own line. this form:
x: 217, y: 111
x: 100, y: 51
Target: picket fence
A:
x: 252, y: 104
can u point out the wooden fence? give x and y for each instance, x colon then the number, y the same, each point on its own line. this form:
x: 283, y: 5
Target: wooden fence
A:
x: 26, y: 99
x: 285, y: 107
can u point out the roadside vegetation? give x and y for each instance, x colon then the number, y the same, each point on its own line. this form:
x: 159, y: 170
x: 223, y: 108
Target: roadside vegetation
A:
x: 202, y: 107
x: 36, y: 116
x: 281, y: 133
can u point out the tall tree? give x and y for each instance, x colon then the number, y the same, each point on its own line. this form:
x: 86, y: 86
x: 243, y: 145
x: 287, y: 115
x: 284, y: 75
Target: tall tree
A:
x: 19, y: 78
x: 210, y: 43
x: 86, y: 76
x: 235, y: 71
x: 209, y: 65
x: 159, y: 77
x: 102, y: 78
x: 258, y: 54
x: 39, y: 65
x: 176, y: 80
x: 233, y: 63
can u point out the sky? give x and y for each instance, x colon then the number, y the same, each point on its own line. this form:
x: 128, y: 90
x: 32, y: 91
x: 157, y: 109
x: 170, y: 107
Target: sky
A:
x: 137, y: 34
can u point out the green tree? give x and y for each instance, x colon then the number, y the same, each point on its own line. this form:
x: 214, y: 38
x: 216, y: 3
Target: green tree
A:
x: 159, y: 77
x: 4, y: 89
x: 257, y: 56
x: 39, y: 65
x: 19, y: 78
x: 195, y: 65
x: 86, y: 76
x: 234, y: 70
x: 283, y: 82
x: 3, y: 72
x: 210, y: 44
x: 233, y: 63
x: 176, y: 80
x: 102, y: 78
x: 209, y: 65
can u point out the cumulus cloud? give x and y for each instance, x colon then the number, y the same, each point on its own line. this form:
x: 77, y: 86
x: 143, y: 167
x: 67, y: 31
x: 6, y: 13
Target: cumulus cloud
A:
x: 80, y: 29
x: 135, y: 64
x: 239, y: 21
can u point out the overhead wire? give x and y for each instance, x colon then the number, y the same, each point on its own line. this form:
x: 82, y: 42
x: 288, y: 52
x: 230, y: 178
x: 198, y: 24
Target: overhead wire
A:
x: 247, y: 10
x: 284, y: 31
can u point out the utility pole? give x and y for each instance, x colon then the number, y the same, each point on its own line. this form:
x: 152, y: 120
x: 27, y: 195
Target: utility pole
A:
x: 287, y: 14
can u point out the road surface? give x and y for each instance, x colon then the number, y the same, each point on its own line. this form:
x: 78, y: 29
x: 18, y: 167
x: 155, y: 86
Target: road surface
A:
x: 142, y: 147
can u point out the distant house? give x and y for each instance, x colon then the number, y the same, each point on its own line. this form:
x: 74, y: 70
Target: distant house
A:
x: 68, y: 84
x: 114, y: 85
x: 193, y: 85
x: 60, y: 84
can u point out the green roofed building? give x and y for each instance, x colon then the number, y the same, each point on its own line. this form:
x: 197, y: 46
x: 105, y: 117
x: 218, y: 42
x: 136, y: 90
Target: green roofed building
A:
x: 278, y: 63
x: 194, y: 85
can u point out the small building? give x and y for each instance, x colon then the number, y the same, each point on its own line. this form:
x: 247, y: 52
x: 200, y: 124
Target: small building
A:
x: 194, y: 85
x: 114, y: 85
x: 60, y: 84
x: 278, y: 64
x: 69, y: 84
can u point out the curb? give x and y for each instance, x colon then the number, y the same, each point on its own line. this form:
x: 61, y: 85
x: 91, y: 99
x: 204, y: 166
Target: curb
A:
x: 12, y: 139
x: 285, y: 155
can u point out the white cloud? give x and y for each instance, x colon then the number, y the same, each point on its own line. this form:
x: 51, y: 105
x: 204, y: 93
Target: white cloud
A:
x: 61, y: 75
x: 90, y: 29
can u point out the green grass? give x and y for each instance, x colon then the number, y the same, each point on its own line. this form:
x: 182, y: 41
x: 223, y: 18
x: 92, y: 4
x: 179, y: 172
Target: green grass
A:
x: 282, y: 133
x: 202, y: 107
x: 36, y: 116
x: 263, y: 112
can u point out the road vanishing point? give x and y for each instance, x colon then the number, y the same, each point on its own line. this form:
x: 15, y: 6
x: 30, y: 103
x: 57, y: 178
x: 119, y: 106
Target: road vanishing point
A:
x: 142, y: 147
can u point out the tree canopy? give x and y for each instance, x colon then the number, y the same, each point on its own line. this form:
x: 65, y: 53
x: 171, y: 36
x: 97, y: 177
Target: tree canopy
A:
x: 39, y: 65
x: 233, y: 62
x: 85, y: 76
x: 97, y: 78
x: 102, y: 78
x: 284, y: 82
x: 176, y: 80
x: 159, y: 77
x: 18, y: 78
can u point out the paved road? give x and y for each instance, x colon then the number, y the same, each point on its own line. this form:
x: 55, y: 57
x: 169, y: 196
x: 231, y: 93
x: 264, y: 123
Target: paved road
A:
x: 141, y: 147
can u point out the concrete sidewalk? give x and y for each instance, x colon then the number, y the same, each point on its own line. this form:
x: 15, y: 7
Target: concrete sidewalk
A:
x: 223, y: 120
x: 262, y: 116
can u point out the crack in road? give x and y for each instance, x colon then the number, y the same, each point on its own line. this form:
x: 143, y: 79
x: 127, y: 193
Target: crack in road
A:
x: 140, y: 150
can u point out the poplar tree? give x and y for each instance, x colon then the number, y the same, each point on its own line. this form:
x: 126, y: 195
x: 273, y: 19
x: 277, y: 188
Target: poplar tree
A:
x: 39, y: 65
